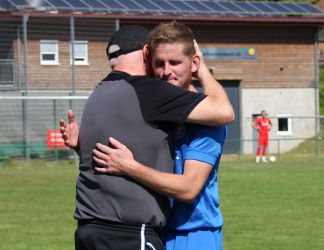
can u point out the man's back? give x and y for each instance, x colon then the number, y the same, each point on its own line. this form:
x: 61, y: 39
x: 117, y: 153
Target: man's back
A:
x: 113, y: 109
x: 124, y: 107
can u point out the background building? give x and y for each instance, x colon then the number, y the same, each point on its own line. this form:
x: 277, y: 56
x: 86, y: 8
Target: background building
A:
x: 265, y: 54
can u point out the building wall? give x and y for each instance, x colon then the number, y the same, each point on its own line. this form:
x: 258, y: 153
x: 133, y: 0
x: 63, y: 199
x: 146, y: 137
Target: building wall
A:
x: 59, y: 77
x: 285, y: 55
x: 297, y: 102
x: 280, y: 80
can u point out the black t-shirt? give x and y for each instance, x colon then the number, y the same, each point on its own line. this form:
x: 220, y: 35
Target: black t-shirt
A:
x: 142, y: 113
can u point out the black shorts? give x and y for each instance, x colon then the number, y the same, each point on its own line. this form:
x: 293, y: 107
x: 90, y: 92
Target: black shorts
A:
x: 97, y: 235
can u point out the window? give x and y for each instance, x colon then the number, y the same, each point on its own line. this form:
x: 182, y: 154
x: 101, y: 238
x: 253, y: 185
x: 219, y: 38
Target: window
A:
x: 284, y: 124
x: 7, y: 76
x: 49, y: 52
x: 80, y: 53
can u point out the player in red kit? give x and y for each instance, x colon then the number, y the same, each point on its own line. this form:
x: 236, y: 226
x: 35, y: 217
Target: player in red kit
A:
x: 263, y: 125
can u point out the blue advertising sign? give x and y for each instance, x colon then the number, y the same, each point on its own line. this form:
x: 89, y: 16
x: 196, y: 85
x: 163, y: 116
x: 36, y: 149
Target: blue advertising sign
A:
x: 228, y: 53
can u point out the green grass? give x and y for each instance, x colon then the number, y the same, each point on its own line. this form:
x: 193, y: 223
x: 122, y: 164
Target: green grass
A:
x: 265, y: 206
x: 309, y: 147
x: 273, y: 206
x: 36, y: 206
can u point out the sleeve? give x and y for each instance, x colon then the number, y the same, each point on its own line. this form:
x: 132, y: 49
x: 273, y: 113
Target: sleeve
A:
x: 163, y: 102
x: 206, y: 144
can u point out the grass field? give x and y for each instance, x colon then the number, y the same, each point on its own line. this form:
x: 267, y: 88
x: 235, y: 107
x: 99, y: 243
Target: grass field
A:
x: 273, y: 206
x: 266, y: 206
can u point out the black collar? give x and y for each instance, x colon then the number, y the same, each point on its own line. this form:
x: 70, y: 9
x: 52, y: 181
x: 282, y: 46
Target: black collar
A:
x: 116, y: 75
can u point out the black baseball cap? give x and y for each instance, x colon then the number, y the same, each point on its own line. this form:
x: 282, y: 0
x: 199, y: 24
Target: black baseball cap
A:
x: 129, y: 39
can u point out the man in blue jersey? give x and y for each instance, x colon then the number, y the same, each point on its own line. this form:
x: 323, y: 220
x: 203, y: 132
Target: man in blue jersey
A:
x: 195, y: 217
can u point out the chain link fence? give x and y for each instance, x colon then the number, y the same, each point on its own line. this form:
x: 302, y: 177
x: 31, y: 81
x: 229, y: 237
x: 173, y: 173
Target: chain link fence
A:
x: 47, y: 58
x: 29, y: 129
x: 29, y: 126
x: 290, y: 136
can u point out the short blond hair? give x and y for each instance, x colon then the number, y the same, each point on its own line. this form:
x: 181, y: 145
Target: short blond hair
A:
x: 173, y: 32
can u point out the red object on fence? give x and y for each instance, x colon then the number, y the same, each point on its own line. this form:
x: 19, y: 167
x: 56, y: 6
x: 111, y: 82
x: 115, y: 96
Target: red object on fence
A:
x: 54, y: 140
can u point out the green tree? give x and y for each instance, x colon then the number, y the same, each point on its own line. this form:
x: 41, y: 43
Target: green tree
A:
x: 321, y: 91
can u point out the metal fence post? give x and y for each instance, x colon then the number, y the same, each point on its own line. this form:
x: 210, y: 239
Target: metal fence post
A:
x: 239, y: 149
x: 55, y: 128
x: 25, y: 123
x: 25, y: 102
x: 18, y: 59
x: 72, y: 37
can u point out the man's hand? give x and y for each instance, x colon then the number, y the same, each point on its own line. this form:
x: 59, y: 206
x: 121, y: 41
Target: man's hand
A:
x: 117, y: 159
x: 70, y: 131
x: 205, y: 112
x: 202, y: 67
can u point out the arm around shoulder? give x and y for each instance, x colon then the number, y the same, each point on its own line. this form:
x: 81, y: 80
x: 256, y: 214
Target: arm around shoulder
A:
x: 119, y: 161
x: 212, y: 111
x: 216, y: 108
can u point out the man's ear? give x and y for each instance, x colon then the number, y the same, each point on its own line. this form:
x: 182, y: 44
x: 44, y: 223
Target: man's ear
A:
x: 146, y: 54
x: 195, y: 64
x: 147, y: 60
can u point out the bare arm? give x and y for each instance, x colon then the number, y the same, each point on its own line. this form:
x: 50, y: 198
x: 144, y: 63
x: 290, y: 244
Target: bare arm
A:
x: 120, y: 161
x: 216, y: 108
x: 255, y: 125
x: 270, y: 125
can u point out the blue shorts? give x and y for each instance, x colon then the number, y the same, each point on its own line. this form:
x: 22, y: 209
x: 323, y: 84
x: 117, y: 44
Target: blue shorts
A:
x: 194, y: 240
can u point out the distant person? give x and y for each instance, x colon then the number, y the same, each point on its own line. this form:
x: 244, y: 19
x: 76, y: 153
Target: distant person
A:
x: 263, y: 125
x: 116, y: 212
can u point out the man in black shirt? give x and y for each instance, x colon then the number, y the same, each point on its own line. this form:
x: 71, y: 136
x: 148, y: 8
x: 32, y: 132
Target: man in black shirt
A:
x: 114, y: 212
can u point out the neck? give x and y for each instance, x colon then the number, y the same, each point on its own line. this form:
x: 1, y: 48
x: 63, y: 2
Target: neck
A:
x: 131, y: 63
x: 191, y: 87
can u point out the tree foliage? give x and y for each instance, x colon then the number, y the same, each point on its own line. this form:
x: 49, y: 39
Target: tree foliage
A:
x: 321, y: 97
x: 321, y: 90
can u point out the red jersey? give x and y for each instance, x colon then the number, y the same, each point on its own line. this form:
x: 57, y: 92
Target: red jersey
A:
x: 264, y: 124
